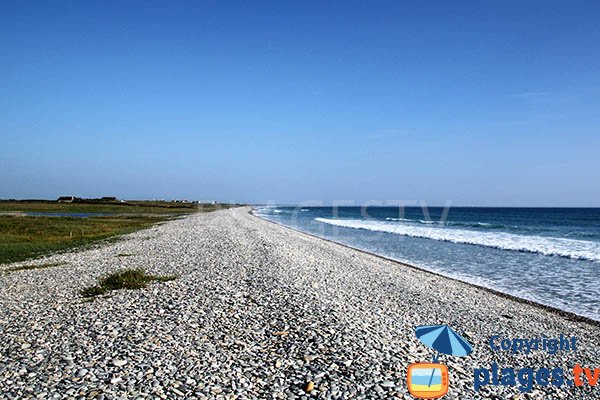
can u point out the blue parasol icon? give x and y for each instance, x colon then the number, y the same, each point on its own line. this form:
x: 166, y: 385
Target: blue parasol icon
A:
x: 443, y: 339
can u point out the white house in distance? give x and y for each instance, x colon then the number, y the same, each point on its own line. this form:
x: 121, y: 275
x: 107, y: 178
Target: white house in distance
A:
x: 66, y: 199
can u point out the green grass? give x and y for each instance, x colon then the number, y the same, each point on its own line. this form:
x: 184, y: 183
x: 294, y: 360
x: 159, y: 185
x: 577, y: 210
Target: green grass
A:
x: 27, y: 237
x: 33, y: 266
x: 130, y: 207
x: 126, y: 279
x: 22, y: 238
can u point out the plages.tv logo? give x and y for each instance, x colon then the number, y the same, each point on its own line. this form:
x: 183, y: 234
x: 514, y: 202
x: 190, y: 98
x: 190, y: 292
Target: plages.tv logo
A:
x: 429, y: 380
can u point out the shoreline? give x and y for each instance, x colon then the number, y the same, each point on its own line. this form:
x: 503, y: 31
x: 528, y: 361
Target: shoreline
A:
x: 563, y: 313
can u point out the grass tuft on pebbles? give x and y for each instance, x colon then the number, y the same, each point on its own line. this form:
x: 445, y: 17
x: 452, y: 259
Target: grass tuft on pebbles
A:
x: 125, y: 279
x: 35, y: 266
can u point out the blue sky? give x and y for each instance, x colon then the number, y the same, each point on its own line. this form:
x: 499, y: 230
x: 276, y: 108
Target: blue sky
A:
x: 481, y: 103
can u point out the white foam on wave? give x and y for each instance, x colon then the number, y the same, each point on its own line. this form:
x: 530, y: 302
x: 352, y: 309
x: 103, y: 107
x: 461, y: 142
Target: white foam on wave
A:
x: 399, y: 219
x: 571, y: 248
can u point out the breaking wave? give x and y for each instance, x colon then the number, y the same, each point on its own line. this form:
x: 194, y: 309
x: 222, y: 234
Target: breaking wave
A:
x: 549, y: 246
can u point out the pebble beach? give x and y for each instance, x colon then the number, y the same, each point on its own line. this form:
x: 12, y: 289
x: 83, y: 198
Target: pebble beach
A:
x: 257, y: 311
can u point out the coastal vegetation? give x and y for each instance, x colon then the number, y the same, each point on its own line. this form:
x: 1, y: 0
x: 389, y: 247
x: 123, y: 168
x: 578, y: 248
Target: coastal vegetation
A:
x: 110, y: 207
x: 34, y: 266
x: 126, y: 279
x: 31, y: 229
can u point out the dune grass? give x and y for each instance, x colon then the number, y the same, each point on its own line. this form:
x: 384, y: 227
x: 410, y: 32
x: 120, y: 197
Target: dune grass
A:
x: 129, y: 207
x: 34, y: 266
x: 25, y: 237
x: 125, y: 279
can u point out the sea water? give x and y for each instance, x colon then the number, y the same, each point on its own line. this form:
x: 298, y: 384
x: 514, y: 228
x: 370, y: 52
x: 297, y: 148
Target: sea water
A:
x: 547, y: 255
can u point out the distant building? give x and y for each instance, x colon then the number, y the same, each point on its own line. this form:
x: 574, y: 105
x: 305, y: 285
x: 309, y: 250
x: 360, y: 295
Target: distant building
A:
x: 67, y: 199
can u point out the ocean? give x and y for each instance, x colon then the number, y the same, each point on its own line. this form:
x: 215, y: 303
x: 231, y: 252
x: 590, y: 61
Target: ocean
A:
x: 547, y: 255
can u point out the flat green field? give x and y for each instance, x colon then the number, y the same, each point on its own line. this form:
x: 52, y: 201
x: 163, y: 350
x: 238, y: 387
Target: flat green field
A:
x: 24, y: 237
x: 130, y: 207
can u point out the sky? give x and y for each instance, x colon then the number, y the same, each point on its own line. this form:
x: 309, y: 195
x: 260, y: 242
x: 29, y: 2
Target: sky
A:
x: 490, y: 103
